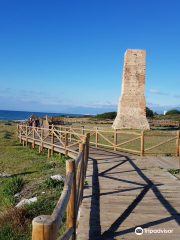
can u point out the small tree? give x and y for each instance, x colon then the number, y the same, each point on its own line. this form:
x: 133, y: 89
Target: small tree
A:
x: 149, y: 112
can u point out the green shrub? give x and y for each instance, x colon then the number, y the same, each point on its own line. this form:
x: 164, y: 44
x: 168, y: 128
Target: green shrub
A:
x: 8, y: 123
x: 12, y: 186
x: 107, y: 115
x: 43, y: 206
x: 174, y: 111
x: 7, y: 135
x: 52, y: 183
x: 173, y: 171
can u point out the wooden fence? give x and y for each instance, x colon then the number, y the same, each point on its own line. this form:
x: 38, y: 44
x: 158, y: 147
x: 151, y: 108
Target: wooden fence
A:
x: 53, y: 139
x: 64, y: 139
x: 47, y: 226
x: 137, y: 143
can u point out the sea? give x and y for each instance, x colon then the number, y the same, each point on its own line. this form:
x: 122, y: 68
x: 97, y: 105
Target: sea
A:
x: 6, y: 115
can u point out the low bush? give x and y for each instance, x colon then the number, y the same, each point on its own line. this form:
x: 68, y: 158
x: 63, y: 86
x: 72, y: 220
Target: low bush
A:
x: 7, y: 135
x: 173, y: 171
x: 12, y: 186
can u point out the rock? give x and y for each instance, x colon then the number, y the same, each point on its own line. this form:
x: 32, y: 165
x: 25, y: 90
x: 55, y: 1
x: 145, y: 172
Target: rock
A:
x: 26, y: 201
x: 17, y: 197
x: 4, y: 175
x: 59, y: 177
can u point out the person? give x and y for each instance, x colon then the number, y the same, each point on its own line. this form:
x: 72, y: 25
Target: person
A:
x: 30, y: 122
x: 36, y: 122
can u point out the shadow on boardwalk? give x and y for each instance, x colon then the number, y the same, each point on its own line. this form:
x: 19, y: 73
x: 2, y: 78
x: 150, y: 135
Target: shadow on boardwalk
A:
x: 124, y: 192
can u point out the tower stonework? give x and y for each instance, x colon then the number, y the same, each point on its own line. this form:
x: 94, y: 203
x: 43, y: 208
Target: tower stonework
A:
x: 131, y: 112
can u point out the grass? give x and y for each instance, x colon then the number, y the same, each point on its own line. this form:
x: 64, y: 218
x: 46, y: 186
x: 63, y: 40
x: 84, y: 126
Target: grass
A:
x: 30, y: 173
x: 173, y: 171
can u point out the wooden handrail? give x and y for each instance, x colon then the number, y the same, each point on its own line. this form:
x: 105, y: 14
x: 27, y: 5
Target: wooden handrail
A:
x: 47, y: 226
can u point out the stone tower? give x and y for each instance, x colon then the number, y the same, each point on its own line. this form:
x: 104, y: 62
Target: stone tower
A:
x: 132, y: 104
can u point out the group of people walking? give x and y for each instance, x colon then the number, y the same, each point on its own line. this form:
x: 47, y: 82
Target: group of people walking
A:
x: 34, y: 122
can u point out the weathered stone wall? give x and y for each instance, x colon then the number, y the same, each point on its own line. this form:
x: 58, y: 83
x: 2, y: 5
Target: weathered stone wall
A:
x: 132, y: 104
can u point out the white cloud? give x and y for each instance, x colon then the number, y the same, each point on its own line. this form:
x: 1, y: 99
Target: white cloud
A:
x: 157, y: 92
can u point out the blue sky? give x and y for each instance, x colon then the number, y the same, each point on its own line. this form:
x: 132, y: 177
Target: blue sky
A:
x: 67, y: 56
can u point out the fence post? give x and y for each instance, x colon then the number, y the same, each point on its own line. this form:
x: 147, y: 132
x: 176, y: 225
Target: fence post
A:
x: 52, y: 140
x: 177, y: 144
x: 83, y: 130
x: 88, y: 141
x: 60, y: 131
x: 142, y: 143
x: 66, y: 142
x: 42, y: 131
x: 33, y: 143
x: 48, y: 153
x: 44, y: 227
x: 70, y: 134
x: 179, y: 160
x: 86, y: 152
x: 71, y: 207
x: 26, y: 135
x: 17, y: 131
x: 96, y: 136
x: 81, y: 148
x: 20, y: 137
x: 115, y: 139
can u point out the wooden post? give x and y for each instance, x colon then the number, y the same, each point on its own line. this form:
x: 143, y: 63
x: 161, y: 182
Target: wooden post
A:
x: 44, y: 227
x: 23, y: 143
x: 60, y: 132
x: 60, y: 154
x: 81, y: 148
x: 177, y: 144
x: 66, y: 142
x: 142, y: 143
x: 179, y: 160
x: 52, y: 140
x: 115, y: 139
x: 26, y: 135
x: 88, y: 140
x: 85, y: 155
x: 42, y: 131
x: 48, y: 153
x: 83, y: 130
x: 33, y: 143
x: 47, y: 120
x: 96, y: 136
x: 71, y: 207
x: 70, y: 134
x: 20, y: 137
x: 17, y: 131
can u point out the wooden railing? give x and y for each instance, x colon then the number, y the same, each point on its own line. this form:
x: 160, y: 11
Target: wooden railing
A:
x: 67, y: 137
x: 138, y: 143
x: 52, y: 138
x: 47, y: 226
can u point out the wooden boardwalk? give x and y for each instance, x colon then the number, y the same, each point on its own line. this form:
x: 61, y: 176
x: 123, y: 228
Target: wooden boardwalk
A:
x: 125, y: 191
